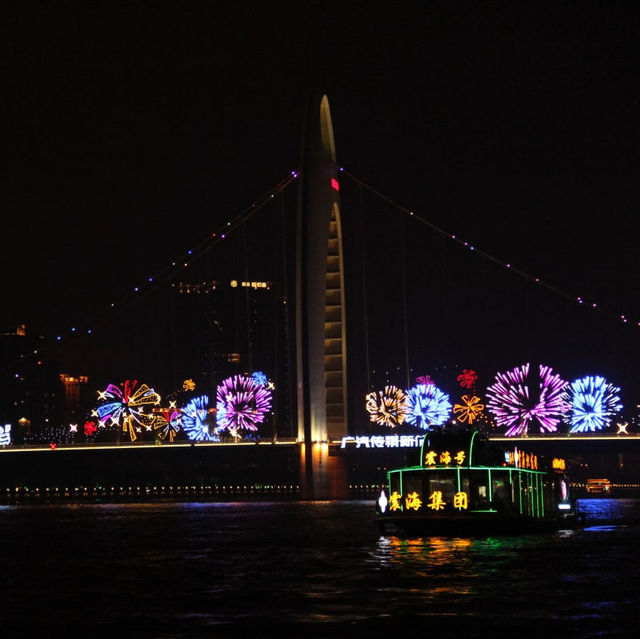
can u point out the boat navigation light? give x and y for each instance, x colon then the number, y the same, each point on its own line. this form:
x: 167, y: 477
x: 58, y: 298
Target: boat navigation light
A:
x: 382, y: 502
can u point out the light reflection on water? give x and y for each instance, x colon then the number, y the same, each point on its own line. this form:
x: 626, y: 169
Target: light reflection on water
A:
x: 322, y: 568
x: 609, y: 510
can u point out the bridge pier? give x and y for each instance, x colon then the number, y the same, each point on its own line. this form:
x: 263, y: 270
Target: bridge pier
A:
x: 322, y: 475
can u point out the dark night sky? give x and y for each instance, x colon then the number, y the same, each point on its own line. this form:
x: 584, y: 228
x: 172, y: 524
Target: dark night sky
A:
x: 133, y: 130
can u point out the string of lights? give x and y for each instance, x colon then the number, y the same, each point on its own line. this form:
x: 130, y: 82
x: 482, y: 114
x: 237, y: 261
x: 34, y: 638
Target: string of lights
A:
x: 506, y: 265
x: 88, y: 325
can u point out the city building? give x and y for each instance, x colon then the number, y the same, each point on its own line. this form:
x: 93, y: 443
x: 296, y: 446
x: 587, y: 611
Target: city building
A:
x: 28, y: 383
x: 234, y: 327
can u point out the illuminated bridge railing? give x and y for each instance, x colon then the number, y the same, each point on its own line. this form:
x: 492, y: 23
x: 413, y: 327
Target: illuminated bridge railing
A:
x: 567, y: 438
x: 140, y: 445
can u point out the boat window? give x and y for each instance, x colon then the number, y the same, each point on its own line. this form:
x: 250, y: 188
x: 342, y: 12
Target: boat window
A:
x: 412, y: 483
x: 476, y: 485
x: 394, y: 482
x: 501, y: 490
x: 529, y: 494
x: 445, y: 483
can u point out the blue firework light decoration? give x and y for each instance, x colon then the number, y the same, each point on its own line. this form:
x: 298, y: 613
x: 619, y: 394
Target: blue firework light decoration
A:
x: 594, y: 403
x: 428, y: 406
x: 260, y: 378
x: 198, y: 420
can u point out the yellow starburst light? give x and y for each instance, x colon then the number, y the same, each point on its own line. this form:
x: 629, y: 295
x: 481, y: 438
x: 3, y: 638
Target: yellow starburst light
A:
x: 389, y: 407
x: 469, y: 410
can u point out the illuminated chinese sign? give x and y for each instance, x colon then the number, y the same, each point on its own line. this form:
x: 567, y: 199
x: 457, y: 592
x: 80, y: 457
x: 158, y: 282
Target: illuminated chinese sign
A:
x: 254, y: 285
x: 5, y: 435
x: 445, y: 458
x: 413, y: 501
x: 460, y: 500
x: 520, y: 459
x: 558, y: 464
x: 383, y: 441
x: 394, y: 501
x: 436, y: 501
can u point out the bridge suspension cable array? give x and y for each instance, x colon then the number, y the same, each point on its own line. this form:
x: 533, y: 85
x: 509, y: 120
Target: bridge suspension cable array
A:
x: 487, y: 256
x: 86, y: 326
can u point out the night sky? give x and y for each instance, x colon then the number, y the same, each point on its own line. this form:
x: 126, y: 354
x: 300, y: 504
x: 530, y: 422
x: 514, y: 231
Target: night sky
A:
x: 131, y: 131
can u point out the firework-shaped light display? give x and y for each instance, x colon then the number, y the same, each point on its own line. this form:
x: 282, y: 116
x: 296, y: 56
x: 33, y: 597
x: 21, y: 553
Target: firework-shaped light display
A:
x: 260, y: 378
x: 90, y: 428
x: 517, y: 401
x: 469, y: 410
x: 127, y: 406
x: 197, y: 420
x: 168, y: 423
x: 188, y: 385
x: 468, y: 378
x: 388, y: 407
x: 241, y: 404
x: 594, y: 403
x: 428, y: 406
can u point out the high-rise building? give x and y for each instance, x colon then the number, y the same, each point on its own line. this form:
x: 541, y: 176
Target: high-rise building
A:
x: 74, y: 398
x: 231, y: 327
x: 28, y: 383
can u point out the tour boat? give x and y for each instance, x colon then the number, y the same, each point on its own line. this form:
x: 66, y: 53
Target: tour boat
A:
x: 465, y: 485
x: 598, y: 487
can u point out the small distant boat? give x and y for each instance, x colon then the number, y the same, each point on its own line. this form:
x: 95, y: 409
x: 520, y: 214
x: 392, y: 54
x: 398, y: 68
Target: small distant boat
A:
x: 598, y: 486
x: 466, y: 485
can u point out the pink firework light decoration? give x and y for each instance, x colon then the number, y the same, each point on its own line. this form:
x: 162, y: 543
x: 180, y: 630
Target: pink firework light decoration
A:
x: 425, y: 379
x: 241, y: 404
x: 516, y: 406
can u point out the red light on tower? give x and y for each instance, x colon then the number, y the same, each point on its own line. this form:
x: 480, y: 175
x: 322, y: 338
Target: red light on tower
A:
x: 335, y: 184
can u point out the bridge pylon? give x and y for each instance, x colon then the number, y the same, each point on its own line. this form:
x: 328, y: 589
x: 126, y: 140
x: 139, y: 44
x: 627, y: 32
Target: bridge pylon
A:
x: 321, y: 343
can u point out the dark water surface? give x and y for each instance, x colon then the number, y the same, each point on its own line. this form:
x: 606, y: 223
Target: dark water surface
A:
x: 308, y: 569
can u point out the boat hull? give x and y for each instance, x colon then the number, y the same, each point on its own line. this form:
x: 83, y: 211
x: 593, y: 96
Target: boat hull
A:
x: 472, y: 524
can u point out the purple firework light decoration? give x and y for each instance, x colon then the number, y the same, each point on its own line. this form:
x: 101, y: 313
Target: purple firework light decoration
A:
x: 241, y: 404
x: 516, y: 404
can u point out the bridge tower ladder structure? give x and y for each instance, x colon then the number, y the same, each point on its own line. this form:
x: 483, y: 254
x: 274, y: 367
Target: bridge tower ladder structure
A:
x: 321, y: 342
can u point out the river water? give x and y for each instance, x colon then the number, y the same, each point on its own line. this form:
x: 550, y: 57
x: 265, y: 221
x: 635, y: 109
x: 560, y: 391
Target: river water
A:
x: 309, y: 569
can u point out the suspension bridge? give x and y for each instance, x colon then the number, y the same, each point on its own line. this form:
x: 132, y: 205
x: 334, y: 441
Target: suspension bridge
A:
x: 350, y: 292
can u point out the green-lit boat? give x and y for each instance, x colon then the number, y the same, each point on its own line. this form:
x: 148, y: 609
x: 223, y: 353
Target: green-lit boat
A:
x: 466, y: 485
